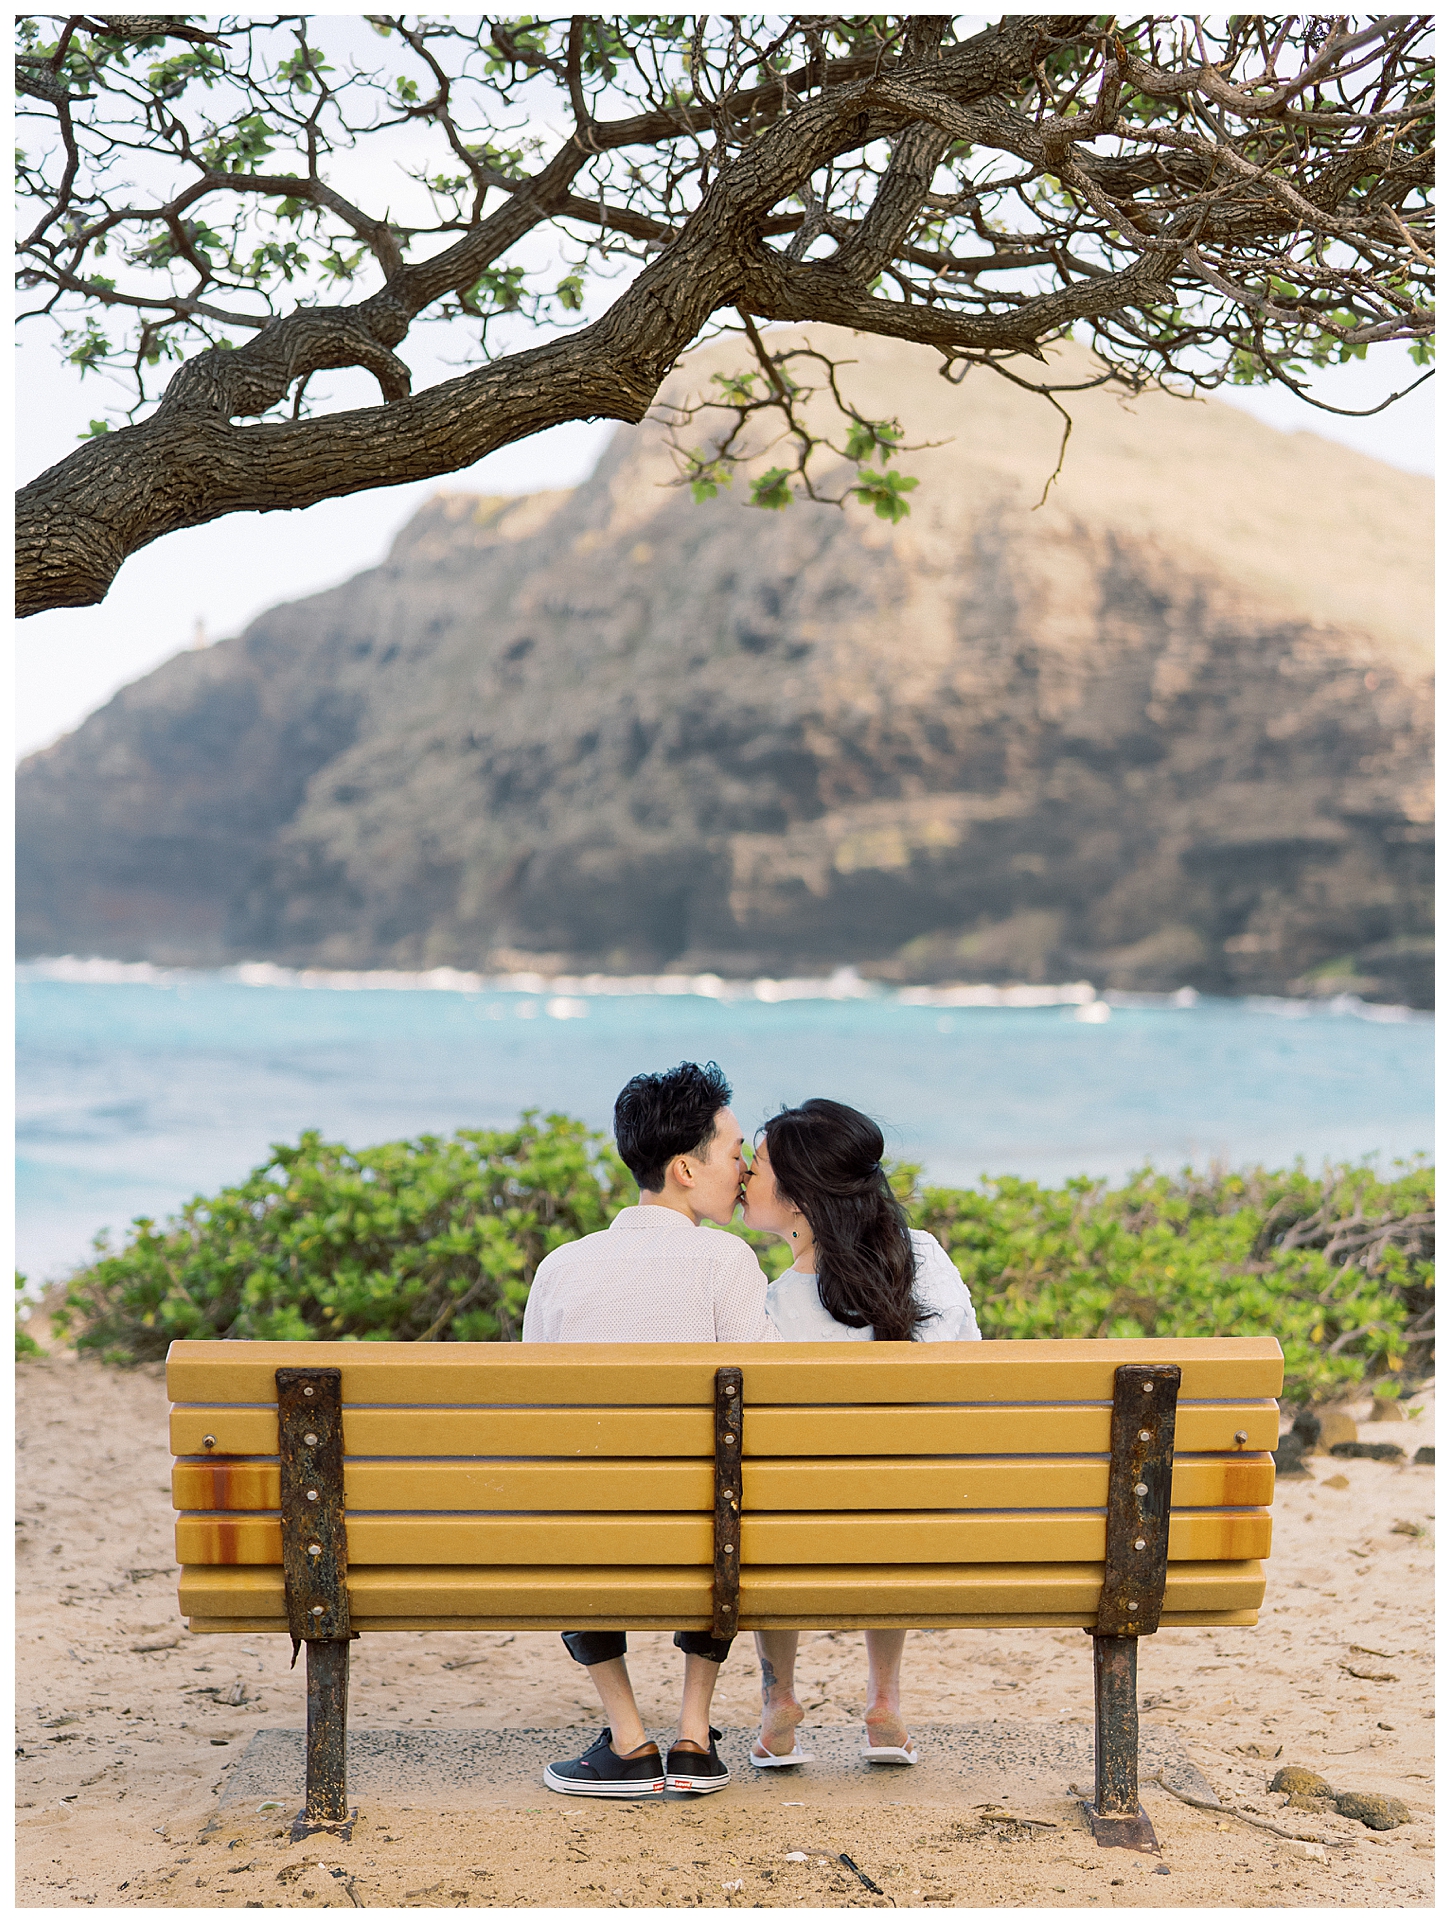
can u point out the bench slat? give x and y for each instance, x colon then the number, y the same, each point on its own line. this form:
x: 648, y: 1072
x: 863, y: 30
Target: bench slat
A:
x: 406, y: 1597
x: 1035, y: 1428
x: 921, y: 1536
x: 662, y: 1373
x: 571, y: 1487
x: 1081, y: 1619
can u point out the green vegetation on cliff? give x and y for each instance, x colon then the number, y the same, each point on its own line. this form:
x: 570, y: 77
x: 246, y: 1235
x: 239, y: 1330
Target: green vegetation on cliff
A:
x: 439, y: 1238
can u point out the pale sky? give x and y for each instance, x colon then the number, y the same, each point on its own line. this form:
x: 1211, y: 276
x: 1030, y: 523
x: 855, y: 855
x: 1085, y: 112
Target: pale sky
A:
x: 70, y: 661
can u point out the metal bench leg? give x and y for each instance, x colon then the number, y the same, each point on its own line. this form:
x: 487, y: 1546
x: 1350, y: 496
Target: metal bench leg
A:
x: 327, y: 1667
x: 1135, y: 1572
x: 1115, y: 1733
x: 1115, y: 1815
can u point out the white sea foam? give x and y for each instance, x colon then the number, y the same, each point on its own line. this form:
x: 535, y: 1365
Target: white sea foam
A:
x: 989, y: 995
x: 1146, y: 998
x: 567, y: 997
x: 1295, y: 1010
x: 448, y: 981
x: 1378, y: 1011
x: 93, y: 968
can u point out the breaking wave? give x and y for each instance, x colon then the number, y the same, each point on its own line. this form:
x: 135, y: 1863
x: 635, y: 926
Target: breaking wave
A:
x: 568, y: 996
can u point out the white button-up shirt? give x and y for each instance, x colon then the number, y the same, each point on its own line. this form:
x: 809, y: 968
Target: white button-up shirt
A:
x: 651, y: 1276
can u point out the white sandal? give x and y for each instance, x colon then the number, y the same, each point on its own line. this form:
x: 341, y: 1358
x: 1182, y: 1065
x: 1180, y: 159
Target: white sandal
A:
x: 887, y: 1753
x: 793, y: 1756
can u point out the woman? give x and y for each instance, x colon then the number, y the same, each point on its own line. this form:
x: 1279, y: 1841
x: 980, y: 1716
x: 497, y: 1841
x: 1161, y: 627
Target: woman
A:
x: 860, y: 1274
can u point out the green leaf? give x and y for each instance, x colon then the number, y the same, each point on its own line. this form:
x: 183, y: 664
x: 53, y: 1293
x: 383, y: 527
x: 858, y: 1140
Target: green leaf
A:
x: 339, y: 266
x: 736, y: 389
x: 88, y: 346
x: 499, y: 289
x: 240, y: 150
x: 870, y: 437
x: 299, y: 68
x: 706, y: 475
x: 885, y: 492
x: 772, y: 489
x: 279, y: 257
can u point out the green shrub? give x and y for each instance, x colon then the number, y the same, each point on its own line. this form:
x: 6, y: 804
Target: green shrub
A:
x: 1338, y: 1267
x: 439, y: 1239
x: 410, y: 1241
x: 24, y: 1344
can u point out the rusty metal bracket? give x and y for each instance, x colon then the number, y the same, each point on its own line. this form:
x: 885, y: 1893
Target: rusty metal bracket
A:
x: 1135, y: 1576
x: 314, y: 1529
x: 1140, y: 1499
x: 729, y: 1416
x: 314, y: 1565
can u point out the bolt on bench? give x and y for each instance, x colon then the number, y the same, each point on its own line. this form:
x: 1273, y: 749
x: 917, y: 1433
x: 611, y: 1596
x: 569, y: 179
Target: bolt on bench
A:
x: 327, y: 1489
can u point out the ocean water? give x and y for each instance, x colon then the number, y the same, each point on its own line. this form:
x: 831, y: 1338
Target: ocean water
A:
x: 138, y: 1087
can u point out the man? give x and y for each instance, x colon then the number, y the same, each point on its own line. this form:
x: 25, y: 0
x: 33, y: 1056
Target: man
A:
x: 657, y: 1275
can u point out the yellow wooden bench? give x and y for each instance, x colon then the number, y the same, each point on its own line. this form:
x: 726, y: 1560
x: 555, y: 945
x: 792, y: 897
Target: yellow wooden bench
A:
x: 405, y: 1486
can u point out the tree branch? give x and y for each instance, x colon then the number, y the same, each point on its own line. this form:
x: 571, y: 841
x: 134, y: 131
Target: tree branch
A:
x: 1254, y: 222
x: 774, y: 289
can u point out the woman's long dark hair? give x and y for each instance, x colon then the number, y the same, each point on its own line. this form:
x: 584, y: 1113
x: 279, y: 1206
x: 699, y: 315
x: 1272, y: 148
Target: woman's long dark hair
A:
x: 826, y: 1159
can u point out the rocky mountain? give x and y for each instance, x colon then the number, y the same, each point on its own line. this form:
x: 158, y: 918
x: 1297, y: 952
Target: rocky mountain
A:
x: 1172, y: 726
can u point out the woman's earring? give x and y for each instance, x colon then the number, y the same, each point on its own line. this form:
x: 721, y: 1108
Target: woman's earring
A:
x: 792, y: 1235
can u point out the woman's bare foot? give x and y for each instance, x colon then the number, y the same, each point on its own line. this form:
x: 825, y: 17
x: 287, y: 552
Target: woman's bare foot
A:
x: 778, y: 1724
x: 886, y: 1730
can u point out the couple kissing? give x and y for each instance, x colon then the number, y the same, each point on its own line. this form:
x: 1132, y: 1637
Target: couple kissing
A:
x: 859, y: 1273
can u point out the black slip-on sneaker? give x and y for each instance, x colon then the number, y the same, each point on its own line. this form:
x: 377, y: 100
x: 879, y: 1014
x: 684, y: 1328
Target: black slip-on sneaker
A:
x: 697, y: 1775
x: 599, y: 1772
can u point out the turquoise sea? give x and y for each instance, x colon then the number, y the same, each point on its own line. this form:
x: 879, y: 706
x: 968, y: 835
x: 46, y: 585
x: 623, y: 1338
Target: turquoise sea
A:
x: 138, y: 1087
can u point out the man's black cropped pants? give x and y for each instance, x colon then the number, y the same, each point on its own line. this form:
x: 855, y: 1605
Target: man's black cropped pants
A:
x: 590, y: 1646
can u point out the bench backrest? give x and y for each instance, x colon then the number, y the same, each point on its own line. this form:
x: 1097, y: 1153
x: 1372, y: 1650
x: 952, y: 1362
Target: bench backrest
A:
x: 544, y: 1486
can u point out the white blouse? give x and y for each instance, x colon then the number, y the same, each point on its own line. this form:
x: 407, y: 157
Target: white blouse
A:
x: 793, y: 1303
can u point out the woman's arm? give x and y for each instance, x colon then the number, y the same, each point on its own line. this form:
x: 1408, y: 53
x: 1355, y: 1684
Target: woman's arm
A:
x: 941, y: 1290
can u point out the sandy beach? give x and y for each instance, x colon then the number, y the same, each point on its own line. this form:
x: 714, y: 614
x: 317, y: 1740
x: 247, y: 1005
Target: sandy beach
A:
x: 128, y: 1727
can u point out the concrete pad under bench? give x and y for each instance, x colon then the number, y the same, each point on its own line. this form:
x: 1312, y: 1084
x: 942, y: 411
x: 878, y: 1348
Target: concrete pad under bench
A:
x: 962, y: 1764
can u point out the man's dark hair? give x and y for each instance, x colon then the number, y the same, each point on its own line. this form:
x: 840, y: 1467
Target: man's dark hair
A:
x: 658, y: 1117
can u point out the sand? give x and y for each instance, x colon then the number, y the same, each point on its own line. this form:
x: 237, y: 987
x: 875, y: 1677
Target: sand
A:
x: 128, y: 1729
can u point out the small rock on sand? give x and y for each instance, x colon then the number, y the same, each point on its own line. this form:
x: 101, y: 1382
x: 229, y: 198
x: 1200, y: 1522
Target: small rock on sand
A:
x: 1292, y: 1780
x: 1376, y: 1812
x: 1369, y: 1451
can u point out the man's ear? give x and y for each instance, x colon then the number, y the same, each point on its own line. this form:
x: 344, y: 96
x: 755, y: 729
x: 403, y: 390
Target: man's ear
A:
x: 684, y: 1175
